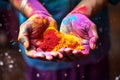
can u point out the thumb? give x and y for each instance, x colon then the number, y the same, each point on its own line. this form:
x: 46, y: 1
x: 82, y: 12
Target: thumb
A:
x: 23, y: 37
x: 93, y: 36
x: 92, y: 43
x: 24, y: 40
x: 26, y: 43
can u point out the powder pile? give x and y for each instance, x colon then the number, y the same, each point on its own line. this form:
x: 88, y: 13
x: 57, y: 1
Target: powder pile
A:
x: 55, y: 40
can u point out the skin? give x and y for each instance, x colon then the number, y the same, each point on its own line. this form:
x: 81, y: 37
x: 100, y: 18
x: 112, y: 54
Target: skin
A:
x: 83, y: 28
x: 32, y: 7
x: 31, y: 30
x: 90, y: 7
x: 37, y: 14
x: 78, y: 22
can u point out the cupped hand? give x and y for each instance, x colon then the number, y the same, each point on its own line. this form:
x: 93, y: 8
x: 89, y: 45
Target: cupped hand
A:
x: 82, y: 27
x: 30, y: 35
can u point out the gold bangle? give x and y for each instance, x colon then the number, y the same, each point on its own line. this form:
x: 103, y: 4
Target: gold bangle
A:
x: 22, y: 5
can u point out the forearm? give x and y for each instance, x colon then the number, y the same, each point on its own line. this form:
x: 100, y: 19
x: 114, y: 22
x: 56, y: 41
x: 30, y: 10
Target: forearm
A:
x: 31, y: 7
x: 90, y: 7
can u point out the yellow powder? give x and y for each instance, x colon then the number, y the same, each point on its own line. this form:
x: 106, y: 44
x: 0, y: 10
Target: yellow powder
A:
x: 67, y: 41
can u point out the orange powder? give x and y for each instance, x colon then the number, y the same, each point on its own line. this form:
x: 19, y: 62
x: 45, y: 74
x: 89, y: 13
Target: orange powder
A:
x: 55, y: 40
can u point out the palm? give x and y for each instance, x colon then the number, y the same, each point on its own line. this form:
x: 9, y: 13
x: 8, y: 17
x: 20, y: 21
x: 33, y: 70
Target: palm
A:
x: 31, y: 33
x: 80, y: 26
x: 39, y: 25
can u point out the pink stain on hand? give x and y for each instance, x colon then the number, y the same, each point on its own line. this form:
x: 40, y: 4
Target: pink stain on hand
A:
x: 82, y: 9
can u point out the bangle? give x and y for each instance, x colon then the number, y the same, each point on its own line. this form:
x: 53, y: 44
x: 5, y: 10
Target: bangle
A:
x: 22, y: 5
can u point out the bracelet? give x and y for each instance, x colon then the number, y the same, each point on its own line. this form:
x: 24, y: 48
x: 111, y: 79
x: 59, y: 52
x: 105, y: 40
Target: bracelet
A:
x: 22, y: 5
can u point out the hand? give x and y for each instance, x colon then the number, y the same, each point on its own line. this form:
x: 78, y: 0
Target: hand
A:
x: 30, y: 35
x: 82, y: 27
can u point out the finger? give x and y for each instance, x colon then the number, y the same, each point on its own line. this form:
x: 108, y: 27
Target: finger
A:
x: 86, y: 50
x: 92, y: 43
x: 93, y: 36
x: 76, y: 52
x: 65, y: 26
x: 23, y: 36
x: 48, y: 56
x: 29, y: 53
x: 54, y: 53
x: 62, y: 50
x: 39, y: 49
x: 35, y: 53
x: 60, y: 55
x: 68, y: 50
x: 52, y: 22
x: 84, y: 42
x: 39, y: 55
x: 25, y: 41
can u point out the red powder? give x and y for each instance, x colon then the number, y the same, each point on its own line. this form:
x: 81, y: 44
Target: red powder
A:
x: 83, y: 9
x: 50, y: 40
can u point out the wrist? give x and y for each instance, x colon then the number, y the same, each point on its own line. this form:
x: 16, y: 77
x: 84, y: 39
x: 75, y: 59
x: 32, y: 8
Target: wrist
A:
x: 31, y: 7
x: 39, y: 12
x: 86, y: 7
x: 28, y: 11
x: 82, y: 10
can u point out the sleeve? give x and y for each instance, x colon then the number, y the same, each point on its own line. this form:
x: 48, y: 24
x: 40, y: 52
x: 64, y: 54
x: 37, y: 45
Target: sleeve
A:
x: 114, y: 2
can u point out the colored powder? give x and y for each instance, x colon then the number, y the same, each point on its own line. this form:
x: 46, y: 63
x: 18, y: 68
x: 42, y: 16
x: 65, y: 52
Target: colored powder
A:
x: 68, y: 40
x: 50, y: 40
x: 55, y: 40
x: 83, y: 9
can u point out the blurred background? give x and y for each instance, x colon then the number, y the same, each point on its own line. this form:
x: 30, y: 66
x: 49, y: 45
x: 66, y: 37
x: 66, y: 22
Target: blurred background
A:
x: 12, y: 63
x: 114, y: 57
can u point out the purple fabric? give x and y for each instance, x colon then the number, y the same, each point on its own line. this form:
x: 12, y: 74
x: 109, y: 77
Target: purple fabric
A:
x: 97, y: 71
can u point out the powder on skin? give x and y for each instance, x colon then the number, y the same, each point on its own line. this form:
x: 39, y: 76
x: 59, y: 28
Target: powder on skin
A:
x: 55, y: 40
x: 50, y: 40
